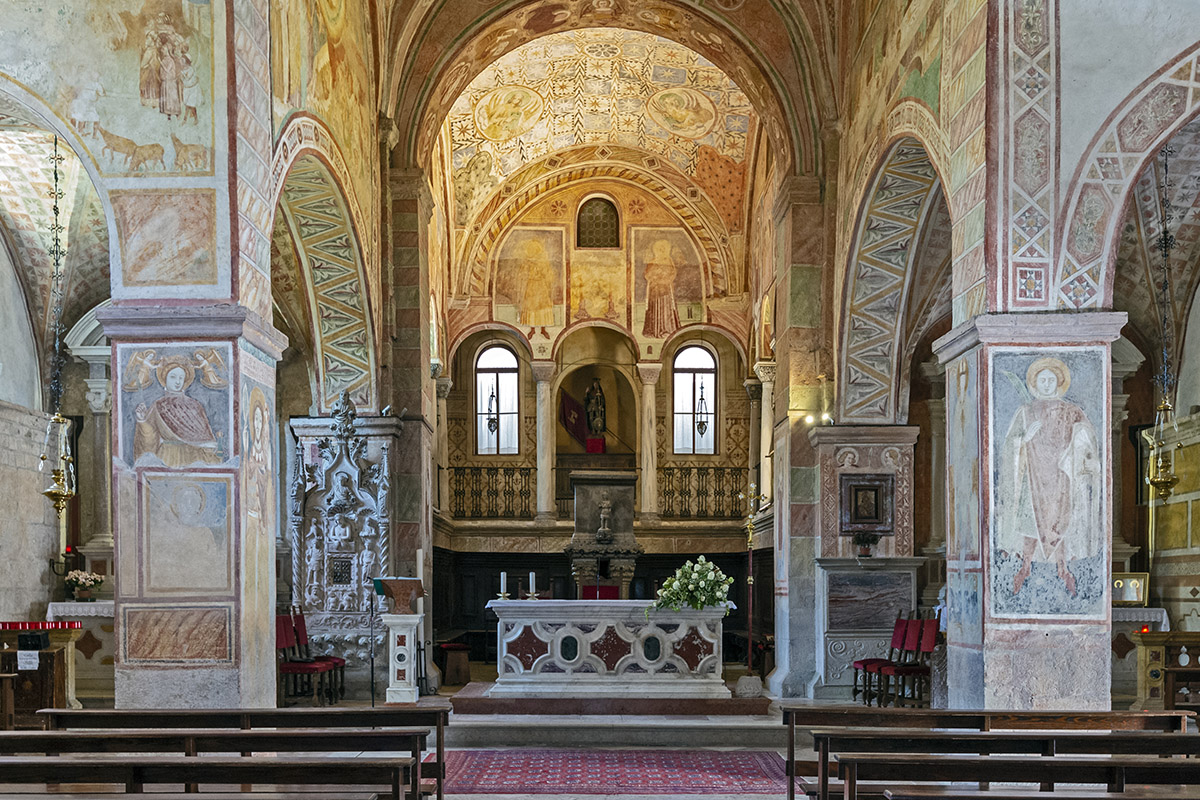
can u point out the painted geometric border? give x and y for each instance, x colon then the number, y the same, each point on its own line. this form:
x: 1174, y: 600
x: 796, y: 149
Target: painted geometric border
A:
x: 878, y: 280
x: 1099, y: 189
x: 316, y: 213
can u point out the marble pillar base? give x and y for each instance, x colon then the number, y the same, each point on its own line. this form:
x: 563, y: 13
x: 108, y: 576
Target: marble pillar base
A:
x: 403, y: 630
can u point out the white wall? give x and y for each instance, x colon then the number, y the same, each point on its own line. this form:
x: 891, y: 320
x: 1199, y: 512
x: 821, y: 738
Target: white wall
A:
x: 1108, y: 48
x: 20, y: 381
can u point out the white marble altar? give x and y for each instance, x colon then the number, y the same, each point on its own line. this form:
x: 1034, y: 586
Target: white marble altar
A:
x: 1127, y: 621
x: 606, y: 648
x: 90, y: 668
x: 402, y: 656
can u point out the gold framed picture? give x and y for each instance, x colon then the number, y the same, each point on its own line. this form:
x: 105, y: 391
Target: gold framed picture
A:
x: 1130, y: 588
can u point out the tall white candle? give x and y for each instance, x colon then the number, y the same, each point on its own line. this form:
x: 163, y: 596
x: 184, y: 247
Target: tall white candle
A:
x: 532, y: 582
x: 503, y: 583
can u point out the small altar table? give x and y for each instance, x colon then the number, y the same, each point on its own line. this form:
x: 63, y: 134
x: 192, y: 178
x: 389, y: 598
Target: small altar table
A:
x: 90, y: 669
x: 606, y: 648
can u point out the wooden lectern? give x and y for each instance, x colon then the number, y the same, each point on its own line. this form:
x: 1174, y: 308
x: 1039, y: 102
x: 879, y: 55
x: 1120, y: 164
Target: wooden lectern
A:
x: 403, y: 592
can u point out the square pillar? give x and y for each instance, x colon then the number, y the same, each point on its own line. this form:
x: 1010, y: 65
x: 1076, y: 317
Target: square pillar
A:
x: 195, y: 488
x: 1029, y: 509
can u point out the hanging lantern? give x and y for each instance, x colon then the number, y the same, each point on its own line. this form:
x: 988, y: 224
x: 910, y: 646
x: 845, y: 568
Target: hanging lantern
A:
x: 701, y: 413
x: 1161, y: 473
x: 57, y: 461
x: 493, y: 419
x: 56, y: 455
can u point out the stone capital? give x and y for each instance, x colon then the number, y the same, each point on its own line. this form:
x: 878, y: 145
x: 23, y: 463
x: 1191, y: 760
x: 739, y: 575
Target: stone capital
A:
x: 852, y: 435
x: 753, y: 388
x: 797, y: 190
x: 934, y: 372
x: 99, y: 395
x: 1049, y: 330
x: 405, y: 184
x: 765, y: 370
x: 444, y: 384
x: 543, y: 371
x: 224, y: 321
x: 649, y: 371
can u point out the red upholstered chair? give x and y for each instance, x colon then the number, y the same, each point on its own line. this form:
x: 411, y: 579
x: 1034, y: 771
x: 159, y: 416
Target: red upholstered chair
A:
x: 307, y: 677
x: 908, y: 684
x: 338, y: 676
x: 878, y: 688
x: 860, y: 666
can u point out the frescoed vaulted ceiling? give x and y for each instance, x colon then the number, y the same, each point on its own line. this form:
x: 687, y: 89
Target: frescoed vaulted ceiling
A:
x: 1136, y: 285
x: 597, y: 86
x: 783, y: 55
x: 26, y: 219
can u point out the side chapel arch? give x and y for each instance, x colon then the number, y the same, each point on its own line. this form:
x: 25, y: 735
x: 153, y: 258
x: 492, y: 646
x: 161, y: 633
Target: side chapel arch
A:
x: 314, y: 212
x: 1102, y: 183
x: 878, y: 279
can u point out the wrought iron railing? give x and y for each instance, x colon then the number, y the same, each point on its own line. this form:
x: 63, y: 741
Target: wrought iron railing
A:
x: 492, y: 492
x: 687, y: 491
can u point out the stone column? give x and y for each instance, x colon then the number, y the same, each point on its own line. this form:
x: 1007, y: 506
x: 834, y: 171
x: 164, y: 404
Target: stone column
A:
x: 543, y: 373
x: 649, y: 371
x: 934, y: 550
x: 765, y: 370
x: 754, y: 390
x: 98, y: 547
x: 1126, y: 360
x: 1018, y: 384
x: 409, y: 388
x: 444, y: 385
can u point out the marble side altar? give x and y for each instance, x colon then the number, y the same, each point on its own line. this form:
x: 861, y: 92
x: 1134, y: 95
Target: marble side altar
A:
x: 90, y: 670
x: 606, y: 648
x: 857, y: 603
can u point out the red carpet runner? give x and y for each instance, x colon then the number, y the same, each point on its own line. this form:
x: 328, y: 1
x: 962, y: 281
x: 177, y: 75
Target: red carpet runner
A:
x: 602, y: 772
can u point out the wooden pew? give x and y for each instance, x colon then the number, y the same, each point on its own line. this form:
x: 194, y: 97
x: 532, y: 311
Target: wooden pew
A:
x: 8, y: 708
x: 956, y: 793
x: 1011, y: 742
x: 325, y: 794
x: 135, y: 772
x: 1114, y: 772
x: 808, y: 715
x: 427, y: 714
x: 194, y: 742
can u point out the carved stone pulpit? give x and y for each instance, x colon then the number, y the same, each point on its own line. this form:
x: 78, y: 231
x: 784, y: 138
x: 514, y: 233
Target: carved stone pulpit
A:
x: 603, y: 549
x: 340, y: 532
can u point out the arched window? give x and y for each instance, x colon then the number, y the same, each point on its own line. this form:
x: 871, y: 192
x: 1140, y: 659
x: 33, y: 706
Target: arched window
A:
x: 695, y: 400
x: 598, y: 224
x: 496, y: 422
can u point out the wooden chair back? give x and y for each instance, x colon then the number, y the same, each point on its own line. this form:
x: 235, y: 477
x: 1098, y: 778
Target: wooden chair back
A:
x: 285, y: 634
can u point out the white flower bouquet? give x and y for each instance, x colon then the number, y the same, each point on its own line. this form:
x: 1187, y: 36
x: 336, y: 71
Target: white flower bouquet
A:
x: 695, y: 585
x: 82, y: 579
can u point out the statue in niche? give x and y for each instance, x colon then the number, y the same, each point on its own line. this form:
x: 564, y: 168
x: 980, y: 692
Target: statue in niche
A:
x: 604, y: 534
x: 593, y: 405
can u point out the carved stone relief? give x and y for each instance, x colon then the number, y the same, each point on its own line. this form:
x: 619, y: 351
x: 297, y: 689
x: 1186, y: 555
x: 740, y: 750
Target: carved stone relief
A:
x: 339, y: 521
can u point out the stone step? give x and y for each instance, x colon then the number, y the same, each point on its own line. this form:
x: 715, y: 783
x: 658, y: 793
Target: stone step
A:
x: 494, y: 730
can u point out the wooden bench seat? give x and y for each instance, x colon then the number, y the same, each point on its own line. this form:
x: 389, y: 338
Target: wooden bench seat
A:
x: 807, y: 715
x: 957, y: 793
x: 135, y: 772
x: 432, y: 714
x: 314, y: 793
x: 1012, y: 742
x: 1114, y: 772
x: 193, y: 742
